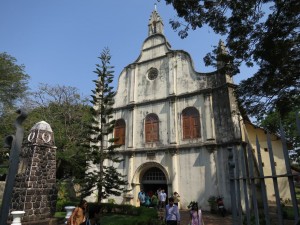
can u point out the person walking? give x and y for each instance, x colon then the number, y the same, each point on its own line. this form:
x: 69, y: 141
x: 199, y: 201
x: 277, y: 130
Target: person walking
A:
x: 78, y: 216
x: 176, y: 197
x: 172, y: 216
x: 196, y: 215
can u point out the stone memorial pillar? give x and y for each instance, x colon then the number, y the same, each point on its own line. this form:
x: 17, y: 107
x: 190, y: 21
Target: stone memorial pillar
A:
x: 35, y: 189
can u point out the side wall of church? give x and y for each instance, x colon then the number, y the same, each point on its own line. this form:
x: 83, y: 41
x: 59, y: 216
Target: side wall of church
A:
x: 280, y: 167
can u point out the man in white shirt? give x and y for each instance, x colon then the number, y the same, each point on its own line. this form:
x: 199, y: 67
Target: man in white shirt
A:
x: 163, y: 198
x: 172, y: 213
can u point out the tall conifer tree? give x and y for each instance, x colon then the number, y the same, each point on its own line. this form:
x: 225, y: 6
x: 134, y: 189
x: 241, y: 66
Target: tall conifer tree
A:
x: 102, y: 176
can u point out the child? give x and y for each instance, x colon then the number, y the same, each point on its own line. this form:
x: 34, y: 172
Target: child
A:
x: 195, y: 215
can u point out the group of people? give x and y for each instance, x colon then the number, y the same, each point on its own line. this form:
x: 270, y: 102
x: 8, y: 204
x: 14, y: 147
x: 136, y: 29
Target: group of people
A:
x: 148, y: 199
x: 81, y: 216
x: 156, y: 200
x: 172, y: 215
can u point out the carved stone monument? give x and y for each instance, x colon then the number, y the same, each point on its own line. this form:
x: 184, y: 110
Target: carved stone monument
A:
x: 35, y: 189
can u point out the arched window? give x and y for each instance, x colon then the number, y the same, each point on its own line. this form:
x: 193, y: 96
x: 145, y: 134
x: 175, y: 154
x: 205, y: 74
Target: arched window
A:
x: 120, y: 132
x: 190, y: 123
x: 154, y: 176
x: 151, y: 128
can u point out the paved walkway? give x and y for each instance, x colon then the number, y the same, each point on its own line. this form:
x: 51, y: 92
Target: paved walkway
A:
x: 208, y: 218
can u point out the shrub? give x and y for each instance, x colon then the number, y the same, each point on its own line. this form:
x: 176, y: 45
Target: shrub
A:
x: 65, y: 196
x: 128, y: 215
x: 212, y: 201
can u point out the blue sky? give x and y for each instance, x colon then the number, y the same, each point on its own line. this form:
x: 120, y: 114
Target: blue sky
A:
x: 59, y: 41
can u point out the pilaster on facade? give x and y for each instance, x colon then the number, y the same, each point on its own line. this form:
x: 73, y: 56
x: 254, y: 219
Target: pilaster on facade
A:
x: 172, y: 122
x: 171, y: 76
x: 175, y: 185
x: 132, y: 83
x: 209, y: 119
x: 131, y: 126
x: 130, y: 170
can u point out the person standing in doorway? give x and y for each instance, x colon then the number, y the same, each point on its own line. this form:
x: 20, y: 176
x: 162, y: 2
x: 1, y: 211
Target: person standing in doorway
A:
x: 154, y: 201
x: 142, y: 197
x: 163, y: 198
x: 158, y: 196
x: 172, y: 213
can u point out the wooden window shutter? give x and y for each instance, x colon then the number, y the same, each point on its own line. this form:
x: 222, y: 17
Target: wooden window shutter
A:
x: 148, y: 131
x: 186, y: 127
x: 122, y: 136
x: 190, y: 123
x: 151, y: 128
x: 196, y: 126
x: 119, y: 133
x: 155, y: 131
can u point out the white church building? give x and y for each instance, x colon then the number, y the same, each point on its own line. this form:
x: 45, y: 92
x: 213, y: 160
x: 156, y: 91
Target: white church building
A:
x: 175, y: 124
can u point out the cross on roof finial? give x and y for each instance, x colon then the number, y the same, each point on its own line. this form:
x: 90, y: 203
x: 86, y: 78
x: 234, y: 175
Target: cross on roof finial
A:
x: 155, y: 23
x: 155, y: 6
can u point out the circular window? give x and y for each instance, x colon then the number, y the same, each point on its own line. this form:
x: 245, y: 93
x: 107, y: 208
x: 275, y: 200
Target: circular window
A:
x: 152, y: 74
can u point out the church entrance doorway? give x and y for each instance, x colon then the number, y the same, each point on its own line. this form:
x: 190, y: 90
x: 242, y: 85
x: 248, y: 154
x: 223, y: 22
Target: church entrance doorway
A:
x: 153, y: 179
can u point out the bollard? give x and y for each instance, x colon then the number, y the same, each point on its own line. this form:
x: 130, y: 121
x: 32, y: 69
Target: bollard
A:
x: 69, y: 210
x: 17, y: 215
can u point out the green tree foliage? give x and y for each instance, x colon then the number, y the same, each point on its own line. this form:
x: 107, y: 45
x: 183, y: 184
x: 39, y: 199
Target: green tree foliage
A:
x: 13, y: 90
x: 272, y: 121
x: 262, y: 32
x: 69, y: 117
x: 102, y: 176
x: 13, y: 83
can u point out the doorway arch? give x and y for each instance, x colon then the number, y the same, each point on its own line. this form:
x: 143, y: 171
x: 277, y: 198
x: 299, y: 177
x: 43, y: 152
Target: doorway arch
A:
x: 153, y: 179
x: 150, y: 176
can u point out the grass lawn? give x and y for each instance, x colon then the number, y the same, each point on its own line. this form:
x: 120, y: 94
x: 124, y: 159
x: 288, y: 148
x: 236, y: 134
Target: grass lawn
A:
x: 140, y: 216
x: 60, y: 214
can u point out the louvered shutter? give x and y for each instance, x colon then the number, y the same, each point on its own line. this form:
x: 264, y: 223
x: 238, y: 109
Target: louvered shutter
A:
x: 190, y: 123
x: 186, y: 127
x: 155, y: 131
x: 148, y: 131
x: 151, y: 128
x: 122, y: 135
x: 195, y: 126
x: 119, y: 133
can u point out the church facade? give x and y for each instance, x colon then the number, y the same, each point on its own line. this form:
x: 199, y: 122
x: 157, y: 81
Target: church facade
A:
x: 175, y: 124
